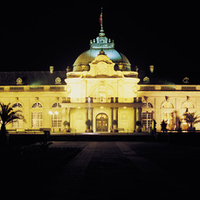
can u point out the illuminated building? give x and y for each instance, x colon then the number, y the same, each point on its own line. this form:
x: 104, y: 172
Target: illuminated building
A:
x: 101, y: 88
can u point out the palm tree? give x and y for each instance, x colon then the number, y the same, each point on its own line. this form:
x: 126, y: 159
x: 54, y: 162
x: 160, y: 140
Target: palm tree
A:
x: 8, y: 115
x: 191, y: 118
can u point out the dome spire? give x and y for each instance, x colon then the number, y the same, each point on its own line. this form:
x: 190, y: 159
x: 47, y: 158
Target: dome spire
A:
x: 101, y: 34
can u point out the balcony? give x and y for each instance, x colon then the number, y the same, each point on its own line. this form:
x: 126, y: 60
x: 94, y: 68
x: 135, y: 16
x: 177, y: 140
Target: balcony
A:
x: 32, y: 88
x: 168, y: 87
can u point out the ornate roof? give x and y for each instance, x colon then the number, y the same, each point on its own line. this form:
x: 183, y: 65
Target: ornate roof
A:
x: 102, y: 67
x: 32, y: 78
x: 105, y: 44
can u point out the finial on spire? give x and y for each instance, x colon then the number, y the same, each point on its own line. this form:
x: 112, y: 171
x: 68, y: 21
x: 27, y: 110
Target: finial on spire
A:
x: 101, y: 17
x: 101, y: 23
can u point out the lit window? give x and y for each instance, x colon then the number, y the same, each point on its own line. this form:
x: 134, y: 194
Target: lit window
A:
x: 168, y: 117
x: 147, y: 120
x: 102, y: 115
x: 19, y: 81
x: 56, y: 120
x: 146, y: 79
x: 36, y: 119
x: 188, y: 104
x: 17, y: 123
x: 58, y: 80
x: 167, y: 104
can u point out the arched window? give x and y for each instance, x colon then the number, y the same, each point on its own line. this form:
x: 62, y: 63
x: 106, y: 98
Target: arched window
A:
x: 56, y: 105
x: 36, y: 117
x: 56, y: 119
x: 167, y: 104
x: 188, y: 104
x: 147, y: 105
x: 168, y: 113
x: 147, y: 118
x: 17, y: 105
x: 18, y: 123
x: 37, y: 105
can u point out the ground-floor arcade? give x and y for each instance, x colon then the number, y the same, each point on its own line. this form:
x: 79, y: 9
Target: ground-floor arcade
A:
x: 103, y: 117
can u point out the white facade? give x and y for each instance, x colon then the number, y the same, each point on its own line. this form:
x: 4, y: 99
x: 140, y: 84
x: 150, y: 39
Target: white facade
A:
x: 169, y: 102
x: 104, y: 92
x: 102, y: 89
x: 83, y: 98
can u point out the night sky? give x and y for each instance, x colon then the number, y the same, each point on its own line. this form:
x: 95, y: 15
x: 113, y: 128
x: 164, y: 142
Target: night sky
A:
x: 164, y: 34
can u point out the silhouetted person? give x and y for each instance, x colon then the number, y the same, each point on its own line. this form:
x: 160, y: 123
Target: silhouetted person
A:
x: 179, y: 126
x: 154, y: 126
x: 163, y: 126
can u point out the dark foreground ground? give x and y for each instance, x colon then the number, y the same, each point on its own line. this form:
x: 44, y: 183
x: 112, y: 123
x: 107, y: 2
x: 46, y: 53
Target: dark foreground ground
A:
x: 101, y: 170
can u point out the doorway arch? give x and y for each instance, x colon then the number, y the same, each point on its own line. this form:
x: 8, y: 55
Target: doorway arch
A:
x: 101, y: 122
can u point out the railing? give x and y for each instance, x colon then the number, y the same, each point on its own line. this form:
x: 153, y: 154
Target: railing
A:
x: 168, y: 87
x: 38, y: 88
x: 32, y: 88
x: 100, y: 100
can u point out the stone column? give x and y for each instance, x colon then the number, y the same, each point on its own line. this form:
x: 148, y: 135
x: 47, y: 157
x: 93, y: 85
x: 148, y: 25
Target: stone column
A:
x: 87, y: 117
x: 91, y: 115
x: 134, y: 119
x: 111, y: 118
x: 87, y: 114
x: 67, y: 116
x: 116, y: 115
x: 140, y: 114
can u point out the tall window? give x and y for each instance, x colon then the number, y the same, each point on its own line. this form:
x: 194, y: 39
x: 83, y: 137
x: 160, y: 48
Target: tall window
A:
x: 56, y: 115
x: 36, y: 119
x: 56, y: 120
x: 168, y: 114
x: 36, y: 116
x: 147, y: 120
x: 168, y: 117
x: 147, y: 115
x: 17, y: 123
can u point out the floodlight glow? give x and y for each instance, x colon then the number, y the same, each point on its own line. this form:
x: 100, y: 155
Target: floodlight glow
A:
x: 50, y: 112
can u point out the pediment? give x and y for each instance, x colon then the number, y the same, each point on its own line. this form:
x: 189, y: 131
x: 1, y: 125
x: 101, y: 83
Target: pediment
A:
x: 102, y: 58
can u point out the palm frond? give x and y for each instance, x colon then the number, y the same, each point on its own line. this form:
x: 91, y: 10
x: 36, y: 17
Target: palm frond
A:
x: 197, y: 121
x: 8, y: 115
x: 192, y: 118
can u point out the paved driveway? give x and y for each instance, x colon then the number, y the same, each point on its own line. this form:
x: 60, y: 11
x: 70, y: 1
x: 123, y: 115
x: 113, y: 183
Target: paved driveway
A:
x: 128, y: 170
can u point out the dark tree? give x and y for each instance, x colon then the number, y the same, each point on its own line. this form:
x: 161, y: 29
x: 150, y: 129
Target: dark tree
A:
x: 8, y: 115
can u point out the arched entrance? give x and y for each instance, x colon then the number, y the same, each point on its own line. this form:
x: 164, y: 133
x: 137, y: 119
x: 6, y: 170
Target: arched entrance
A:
x: 101, y: 122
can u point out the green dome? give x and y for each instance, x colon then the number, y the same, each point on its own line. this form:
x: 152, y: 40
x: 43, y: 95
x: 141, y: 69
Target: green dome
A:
x: 96, y: 45
x: 82, y: 62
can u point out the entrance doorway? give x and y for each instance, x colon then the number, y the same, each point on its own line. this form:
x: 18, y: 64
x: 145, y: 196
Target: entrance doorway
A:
x: 101, y: 122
